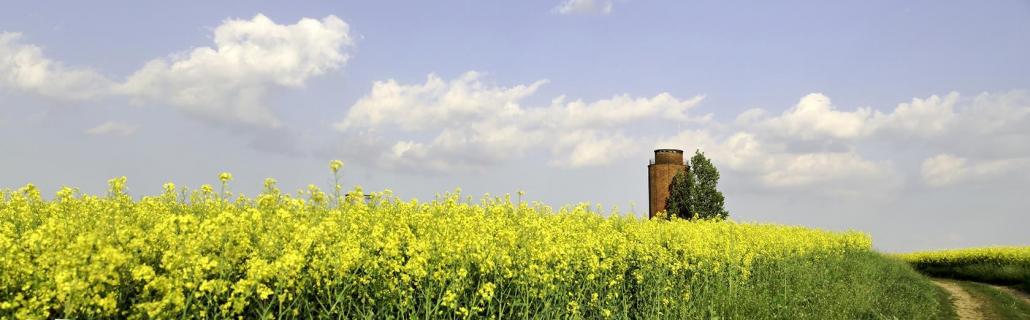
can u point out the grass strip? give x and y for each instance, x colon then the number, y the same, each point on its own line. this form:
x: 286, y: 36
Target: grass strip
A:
x: 997, y: 304
x: 947, y: 309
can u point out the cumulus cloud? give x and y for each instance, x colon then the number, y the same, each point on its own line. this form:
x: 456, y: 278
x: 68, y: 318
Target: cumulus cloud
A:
x: 827, y: 149
x: 946, y: 170
x: 584, y: 7
x: 943, y: 169
x: 470, y: 123
x: 816, y: 118
x: 113, y: 128
x: 993, y: 128
x: 922, y: 117
x: 23, y: 67
x: 772, y: 165
x: 789, y: 170
x: 998, y: 113
x: 436, y: 103
x: 229, y: 82
x: 476, y: 123
x: 226, y: 83
x: 590, y: 148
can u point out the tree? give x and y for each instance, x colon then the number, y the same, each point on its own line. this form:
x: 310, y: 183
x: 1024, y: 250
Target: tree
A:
x: 706, y: 201
x: 678, y: 204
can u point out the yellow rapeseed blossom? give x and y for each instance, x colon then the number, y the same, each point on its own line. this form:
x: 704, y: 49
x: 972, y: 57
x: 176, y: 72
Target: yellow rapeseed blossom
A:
x: 995, y: 255
x: 198, y: 253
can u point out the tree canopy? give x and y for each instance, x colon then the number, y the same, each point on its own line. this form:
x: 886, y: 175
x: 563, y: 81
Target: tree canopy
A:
x: 678, y: 203
x: 694, y: 193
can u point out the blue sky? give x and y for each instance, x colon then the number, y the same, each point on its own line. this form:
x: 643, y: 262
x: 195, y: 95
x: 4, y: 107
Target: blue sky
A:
x: 910, y: 121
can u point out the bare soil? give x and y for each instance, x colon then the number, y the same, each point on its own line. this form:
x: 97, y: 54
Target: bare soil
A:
x: 967, y: 307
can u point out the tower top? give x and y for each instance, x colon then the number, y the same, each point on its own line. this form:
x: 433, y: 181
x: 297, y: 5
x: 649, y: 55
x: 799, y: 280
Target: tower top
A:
x: 668, y: 156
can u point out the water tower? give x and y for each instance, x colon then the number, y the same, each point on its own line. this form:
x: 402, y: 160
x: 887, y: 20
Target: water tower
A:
x: 665, y: 165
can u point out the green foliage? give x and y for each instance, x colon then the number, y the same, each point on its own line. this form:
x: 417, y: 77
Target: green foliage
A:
x: 707, y: 201
x: 695, y: 194
x: 678, y: 204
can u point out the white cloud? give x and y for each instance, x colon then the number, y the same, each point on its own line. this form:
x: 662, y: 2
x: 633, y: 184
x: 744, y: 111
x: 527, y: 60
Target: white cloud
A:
x: 591, y: 148
x: 814, y: 117
x: 475, y: 123
x: 922, y: 117
x: 584, y: 7
x: 618, y: 110
x: 943, y: 169
x: 469, y: 123
x: 842, y: 169
x: 946, y: 170
x: 1004, y: 113
x: 23, y: 67
x: 437, y: 103
x: 113, y: 128
x: 229, y: 82
x: 774, y: 150
x: 771, y: 165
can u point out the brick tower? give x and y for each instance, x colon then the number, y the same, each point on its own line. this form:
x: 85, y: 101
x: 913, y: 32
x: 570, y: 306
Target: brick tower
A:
x: 661, y: 170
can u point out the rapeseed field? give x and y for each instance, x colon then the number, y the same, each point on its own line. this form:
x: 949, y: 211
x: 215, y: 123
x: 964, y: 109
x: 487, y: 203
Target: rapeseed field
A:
x: 210, y: 253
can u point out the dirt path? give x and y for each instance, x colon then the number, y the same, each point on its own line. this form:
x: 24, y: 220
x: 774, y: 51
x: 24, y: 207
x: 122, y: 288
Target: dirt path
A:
x: 966, y: 306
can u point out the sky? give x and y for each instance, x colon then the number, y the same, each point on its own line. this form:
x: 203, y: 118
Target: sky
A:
x: 906, y: 120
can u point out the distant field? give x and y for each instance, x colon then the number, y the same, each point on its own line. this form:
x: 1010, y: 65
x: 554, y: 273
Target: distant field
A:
x: 998, y: 265
x: 205, y: 253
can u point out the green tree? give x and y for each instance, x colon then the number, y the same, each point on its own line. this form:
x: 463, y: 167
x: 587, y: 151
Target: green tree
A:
x: 706, y: 201
x: 678, y: 204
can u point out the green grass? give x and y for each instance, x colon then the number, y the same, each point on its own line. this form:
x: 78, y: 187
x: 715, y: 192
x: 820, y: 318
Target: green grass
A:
x: 1016, y: 275
x: 946, y: 309
x: 856, y: 286
x: 997, y: 304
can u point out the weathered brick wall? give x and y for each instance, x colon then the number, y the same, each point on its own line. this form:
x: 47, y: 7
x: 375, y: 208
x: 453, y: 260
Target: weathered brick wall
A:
x: 667, y: 163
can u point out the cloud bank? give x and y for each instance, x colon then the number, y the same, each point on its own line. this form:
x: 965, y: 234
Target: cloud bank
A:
x: 226, y: 83
x: 229, y: 82
x: 469, y: 123
x: 23, y: 67
x: 474, y: 123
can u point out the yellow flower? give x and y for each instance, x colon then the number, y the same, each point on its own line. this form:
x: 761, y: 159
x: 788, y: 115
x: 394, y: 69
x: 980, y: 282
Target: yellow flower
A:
x: 169, y: 187
x: 486, y: 291
x: 76, y: 253
x: 335, y: 165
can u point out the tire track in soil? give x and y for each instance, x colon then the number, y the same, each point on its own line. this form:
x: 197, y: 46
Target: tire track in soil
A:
x: 967, y: 307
